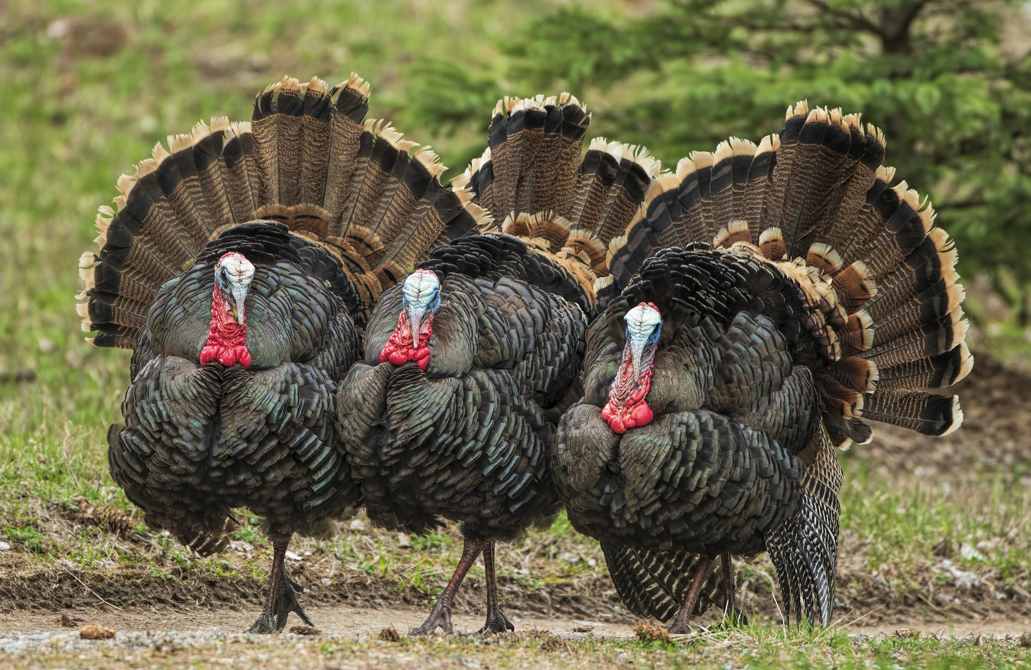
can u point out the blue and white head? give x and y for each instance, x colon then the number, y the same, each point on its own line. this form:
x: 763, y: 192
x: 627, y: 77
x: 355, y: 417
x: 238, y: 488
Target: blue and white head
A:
x: 420, y: 296
x: 643, y: 327
x: 627, y: 405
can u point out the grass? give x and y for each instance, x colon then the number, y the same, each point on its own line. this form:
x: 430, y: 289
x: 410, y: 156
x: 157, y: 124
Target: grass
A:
x: 70, y: 122
x: 756, y: 647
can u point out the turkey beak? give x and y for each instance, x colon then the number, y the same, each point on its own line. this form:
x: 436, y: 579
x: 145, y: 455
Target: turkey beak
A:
x: 637, y: 354
x: 415, y: 319
x: 239, y: 296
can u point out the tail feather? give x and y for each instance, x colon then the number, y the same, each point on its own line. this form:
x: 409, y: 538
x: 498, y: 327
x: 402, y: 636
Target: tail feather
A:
x: 309, y: 160
x: 804, y: 549
x: 877, y: 275
x: 655, y: 583
x: 534, y: 182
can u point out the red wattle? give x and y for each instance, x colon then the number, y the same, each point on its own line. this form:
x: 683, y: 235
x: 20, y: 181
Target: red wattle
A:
x: 398, y: 349
x: 227, y: 339
x: 627, y: 407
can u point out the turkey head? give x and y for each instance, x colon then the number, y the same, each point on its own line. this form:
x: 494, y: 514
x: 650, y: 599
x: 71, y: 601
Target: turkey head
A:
x: 420, y: 299
x: 627, y: 406
x: 227, y: 339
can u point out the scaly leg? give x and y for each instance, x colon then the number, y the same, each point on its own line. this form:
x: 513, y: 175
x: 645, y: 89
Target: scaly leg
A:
x: 282, y: 598
x: 680, y: 624
x: 730, y: 608
x: 440, y: 615
x: 496, y: 620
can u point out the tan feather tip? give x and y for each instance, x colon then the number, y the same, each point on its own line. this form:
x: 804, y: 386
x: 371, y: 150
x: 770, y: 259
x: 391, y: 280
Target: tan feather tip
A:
x: 801, y: 108
x: 770, y: 235
x: 957, y: 417
x: 119, y: 201
x: 598, y: 144
x: 742, y: 147
x: 82, y: 309
x: 317, y: 86
x: 87, y: 259
x: 836, y: 117
x: 823, y: 256
x: 767, y: 144
x: 665, y: 182
x: 854, y: 122
x: 125, y: 185
x: 356, y: 83
x: 723, y: 152
x: 702, y: 159
x: 721, y: 237
x: 481, y: 216
x: 651, y: 165
x: 817, y: 115
x: 199, y: 131
x: 177, y: 143
x: 871, y: 129
x: 602, y: 282
x: 104, y: 219
x: 289, y: 83
x: 429, y: 160
x: 87, y: 327
x: 967, y: 363
x: 886, y: 174
x: 219, y: 123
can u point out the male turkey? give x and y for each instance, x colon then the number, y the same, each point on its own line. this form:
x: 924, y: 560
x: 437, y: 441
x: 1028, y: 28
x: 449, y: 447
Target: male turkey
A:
x: 240, y: 332
x: 470, y: 362
x: 802, y: 294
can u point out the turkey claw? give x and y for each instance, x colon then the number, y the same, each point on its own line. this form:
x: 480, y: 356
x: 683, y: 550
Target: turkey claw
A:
x: 287, y: 603
x: 440, y: 616
x: 497, y: 622
x: 263, y: 625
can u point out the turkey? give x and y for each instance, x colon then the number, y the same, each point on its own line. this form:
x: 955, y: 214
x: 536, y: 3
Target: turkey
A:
x: 469, y: 363
x: 796, y: 295
x: 241, y: 267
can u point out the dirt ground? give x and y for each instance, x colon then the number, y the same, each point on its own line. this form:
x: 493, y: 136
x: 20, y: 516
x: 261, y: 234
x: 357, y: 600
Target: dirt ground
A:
x: 359, y: 623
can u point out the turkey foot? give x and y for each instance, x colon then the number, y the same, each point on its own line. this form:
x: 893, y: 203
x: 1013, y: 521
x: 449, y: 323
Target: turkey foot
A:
x: 497, y: 622
x: 282, y: 596
x: 681, y: 625
x: 732, y: 616
x: 440, y: 615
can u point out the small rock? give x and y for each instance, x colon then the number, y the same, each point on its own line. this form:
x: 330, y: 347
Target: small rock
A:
x: 91, y: 632
x: 390, y: 634
x: 5, y: 546
x: 357, y: 524
x: 583, y: 629
x: 305, y: 630
x: 907, y: 633
x: 292, y: 556
x: 646, y: 631
x: 403, y: 541
x: 970, y: 554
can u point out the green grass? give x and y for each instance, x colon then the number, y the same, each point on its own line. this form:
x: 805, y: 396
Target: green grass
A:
x: 759, y: 647
x: 71, y: 123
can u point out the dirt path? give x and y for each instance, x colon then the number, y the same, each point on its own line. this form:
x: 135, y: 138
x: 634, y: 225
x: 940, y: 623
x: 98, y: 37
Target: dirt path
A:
x: 359, y: 623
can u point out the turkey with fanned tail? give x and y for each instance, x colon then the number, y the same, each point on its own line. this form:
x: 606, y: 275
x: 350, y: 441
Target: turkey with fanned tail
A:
x: 469, y: 363
x: 794, y: 295
x: 241, y: 266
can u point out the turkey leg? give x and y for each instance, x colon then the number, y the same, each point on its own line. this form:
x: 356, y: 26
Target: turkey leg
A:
x: 496, y: 620
x: 680, y: 624
x: 730, y: 592
x: 282, y: 596
x: 440, y: 615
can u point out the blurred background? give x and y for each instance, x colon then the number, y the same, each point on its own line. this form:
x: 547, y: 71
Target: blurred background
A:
x: 88, y: 86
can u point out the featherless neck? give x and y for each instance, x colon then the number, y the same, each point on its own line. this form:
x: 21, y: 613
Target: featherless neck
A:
x: 627, y: 407
x: 227, y: 339
x: 404, y: 346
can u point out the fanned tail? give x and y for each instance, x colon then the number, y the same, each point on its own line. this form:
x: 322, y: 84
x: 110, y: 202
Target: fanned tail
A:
x: 804, y: 549
x: 536, y: 185
x: 877, y: 277
x: 308, y: 159
x: 654, y: 583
